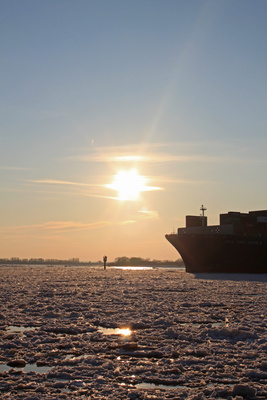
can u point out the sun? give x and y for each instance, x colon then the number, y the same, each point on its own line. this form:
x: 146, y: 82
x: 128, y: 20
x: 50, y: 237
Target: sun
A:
x: 129, y: 184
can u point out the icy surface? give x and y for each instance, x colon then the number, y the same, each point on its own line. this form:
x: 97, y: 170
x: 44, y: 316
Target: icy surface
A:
x: 191, y: 336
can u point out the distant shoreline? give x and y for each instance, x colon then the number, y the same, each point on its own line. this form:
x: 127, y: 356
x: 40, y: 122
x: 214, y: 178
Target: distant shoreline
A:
x: 92, y: 265
x: 119, y: 261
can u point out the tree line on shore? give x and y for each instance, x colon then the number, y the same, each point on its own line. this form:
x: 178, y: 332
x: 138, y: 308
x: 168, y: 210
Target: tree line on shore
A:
x: 138, y: 261
x: 120, y: 261
x: 47, y: 261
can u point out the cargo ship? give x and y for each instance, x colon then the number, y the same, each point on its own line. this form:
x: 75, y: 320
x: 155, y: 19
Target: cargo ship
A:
x: 237, y: 245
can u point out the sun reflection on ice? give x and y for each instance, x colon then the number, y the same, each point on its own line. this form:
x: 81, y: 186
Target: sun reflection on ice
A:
x: 125, y: 332
x: 115, y: 331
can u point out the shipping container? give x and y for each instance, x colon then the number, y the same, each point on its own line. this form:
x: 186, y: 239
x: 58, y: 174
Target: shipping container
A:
x: 262, y: 213
x: 262, y: 219
x: 196, y: 220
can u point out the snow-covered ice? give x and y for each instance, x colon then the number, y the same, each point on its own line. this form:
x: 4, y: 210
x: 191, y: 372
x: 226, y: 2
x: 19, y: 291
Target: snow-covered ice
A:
x: 183, y: 336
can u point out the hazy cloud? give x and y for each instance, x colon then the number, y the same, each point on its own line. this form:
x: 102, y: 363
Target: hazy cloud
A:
x: 158, y: 157
x: 86, y: 189
x: 59, y: 226
x: 151, y: 214
x: 170, y: 152
x: 129, y: 221
x: 59, y: 182
x: 183, y: 181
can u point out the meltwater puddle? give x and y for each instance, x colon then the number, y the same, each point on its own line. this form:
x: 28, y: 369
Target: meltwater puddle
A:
x: 206, y: 324
x: 103, y: 330
x: 74, y: 357
x: 27, y: 368
x: 114, y: 331
x: 132, y: 268
x: 146, y: 385
x: 20, y: 329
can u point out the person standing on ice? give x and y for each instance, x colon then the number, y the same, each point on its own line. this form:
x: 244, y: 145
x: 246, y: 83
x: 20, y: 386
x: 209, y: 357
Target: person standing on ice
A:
x: 105, y: 261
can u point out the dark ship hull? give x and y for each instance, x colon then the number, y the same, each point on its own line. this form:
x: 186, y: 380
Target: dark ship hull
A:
x: 237, y: 245
x: 209, y: 253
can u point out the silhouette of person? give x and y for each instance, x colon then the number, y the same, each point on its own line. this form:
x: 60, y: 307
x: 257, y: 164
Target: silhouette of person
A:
x: 105, y: 261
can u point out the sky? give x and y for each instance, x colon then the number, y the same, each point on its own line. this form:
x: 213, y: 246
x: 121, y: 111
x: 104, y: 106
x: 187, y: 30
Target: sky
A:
x: 120, y: 117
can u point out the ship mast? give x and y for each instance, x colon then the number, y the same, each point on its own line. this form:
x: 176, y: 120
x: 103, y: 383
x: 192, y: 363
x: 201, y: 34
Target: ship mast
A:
x: 203, y: 209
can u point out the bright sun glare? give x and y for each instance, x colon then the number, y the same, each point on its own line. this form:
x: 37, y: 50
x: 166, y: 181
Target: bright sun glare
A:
x: 129, y: 184
x: 125, y: 331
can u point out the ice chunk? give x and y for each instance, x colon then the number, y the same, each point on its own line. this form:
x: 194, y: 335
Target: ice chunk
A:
x: 244, y: 390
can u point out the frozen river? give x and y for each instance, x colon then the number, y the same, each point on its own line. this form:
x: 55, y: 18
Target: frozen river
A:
x: 79, y: 332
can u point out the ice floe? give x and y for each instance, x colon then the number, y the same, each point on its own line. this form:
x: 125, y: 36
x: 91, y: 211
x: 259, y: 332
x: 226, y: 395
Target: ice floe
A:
x: 86, y: 333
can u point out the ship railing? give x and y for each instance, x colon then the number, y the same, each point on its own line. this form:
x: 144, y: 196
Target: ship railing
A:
x: 207, y: 230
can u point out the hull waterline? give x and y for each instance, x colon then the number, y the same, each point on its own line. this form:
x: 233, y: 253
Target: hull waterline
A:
x: 220, y: 254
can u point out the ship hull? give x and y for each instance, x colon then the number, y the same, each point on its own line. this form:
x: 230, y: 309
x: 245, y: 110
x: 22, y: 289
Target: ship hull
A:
x: 221, y: 253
